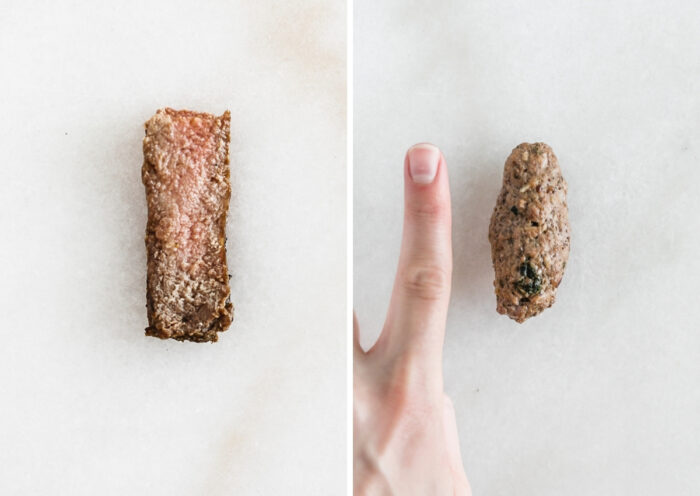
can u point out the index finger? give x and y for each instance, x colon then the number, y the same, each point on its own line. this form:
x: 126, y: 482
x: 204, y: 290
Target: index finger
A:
x: 415, y: 323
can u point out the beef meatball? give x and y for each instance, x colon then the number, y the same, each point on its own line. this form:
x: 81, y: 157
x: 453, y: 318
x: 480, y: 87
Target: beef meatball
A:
x: 529, y: 232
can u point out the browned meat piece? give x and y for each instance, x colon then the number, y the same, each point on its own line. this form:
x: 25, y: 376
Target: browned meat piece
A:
x: 529, y: 232
x: 186, y: 174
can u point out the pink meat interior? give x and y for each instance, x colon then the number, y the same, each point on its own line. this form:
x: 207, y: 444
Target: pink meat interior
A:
x: 188, y: 148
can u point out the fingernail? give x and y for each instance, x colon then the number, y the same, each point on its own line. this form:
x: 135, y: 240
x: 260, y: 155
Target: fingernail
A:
x: 423, y: 162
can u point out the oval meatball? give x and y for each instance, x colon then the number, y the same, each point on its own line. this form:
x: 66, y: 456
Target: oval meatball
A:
x: 529, y: 232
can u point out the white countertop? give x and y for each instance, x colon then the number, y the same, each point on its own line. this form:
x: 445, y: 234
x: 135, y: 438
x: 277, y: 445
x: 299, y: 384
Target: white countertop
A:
x: 89, y: 404
x: 601, y: 393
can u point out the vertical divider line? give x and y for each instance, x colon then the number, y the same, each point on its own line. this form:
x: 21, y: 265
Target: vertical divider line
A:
x: 349, y: 238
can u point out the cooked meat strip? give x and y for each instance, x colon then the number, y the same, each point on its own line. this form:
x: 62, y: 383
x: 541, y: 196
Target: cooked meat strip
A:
x: 529, y: 232
x: 186, y: 174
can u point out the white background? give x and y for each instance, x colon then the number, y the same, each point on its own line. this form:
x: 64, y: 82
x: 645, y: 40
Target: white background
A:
x: 601, y: 393
x: 88, y: 404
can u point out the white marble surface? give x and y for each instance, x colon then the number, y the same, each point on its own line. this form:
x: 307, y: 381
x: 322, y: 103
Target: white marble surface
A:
x: 89, y: 405
x: 600, y: 394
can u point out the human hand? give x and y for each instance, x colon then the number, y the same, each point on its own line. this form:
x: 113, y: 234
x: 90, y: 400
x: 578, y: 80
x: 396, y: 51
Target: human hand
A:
x: 405, y: 431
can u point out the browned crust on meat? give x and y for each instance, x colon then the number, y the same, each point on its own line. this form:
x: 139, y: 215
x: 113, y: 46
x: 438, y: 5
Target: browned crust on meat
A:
x: 529, y: 232
x: 187, y: 180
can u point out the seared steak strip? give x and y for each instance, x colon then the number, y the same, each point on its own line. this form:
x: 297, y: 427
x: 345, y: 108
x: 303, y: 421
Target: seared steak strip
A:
x: 186, y: 174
